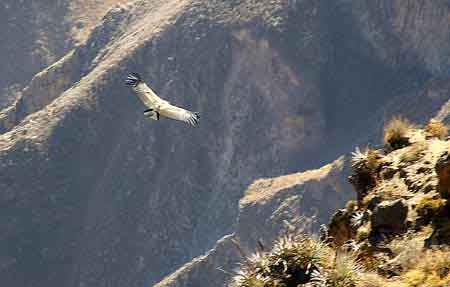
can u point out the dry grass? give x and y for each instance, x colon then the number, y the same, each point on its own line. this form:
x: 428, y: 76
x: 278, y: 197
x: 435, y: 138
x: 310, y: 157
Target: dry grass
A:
x: 344, y: 272
x: 395, y: 133
x: 436, y: 129
x: 351, y: 205
x: 414, y: 152
x: 431, y: 269
x: 363, y: 232
x: 430, y: 206
x: 423, y: 268
x: 406, y: 251
x: 370, y: 279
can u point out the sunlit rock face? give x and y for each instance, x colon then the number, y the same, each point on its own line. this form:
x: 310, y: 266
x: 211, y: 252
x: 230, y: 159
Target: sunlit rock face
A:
x: 96, y: 195
x: 270, y: 208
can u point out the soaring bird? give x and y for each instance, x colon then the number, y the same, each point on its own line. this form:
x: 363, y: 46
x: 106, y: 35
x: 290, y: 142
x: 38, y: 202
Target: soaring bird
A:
x: 156, y: 106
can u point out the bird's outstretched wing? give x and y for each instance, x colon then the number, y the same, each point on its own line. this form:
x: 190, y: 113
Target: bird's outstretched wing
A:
x: 176, y: 113
x: 157, y: 106
x: 144, y: 92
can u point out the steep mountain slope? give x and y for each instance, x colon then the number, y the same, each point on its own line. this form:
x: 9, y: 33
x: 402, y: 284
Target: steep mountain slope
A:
x: 84, y: 15
x: 36, y: 33
x: 100, y: 196
x: 269, y: 208
x: 395, y: 234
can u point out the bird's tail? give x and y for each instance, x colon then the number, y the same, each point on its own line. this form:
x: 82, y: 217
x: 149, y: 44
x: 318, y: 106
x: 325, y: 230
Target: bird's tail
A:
x: 133, y: 79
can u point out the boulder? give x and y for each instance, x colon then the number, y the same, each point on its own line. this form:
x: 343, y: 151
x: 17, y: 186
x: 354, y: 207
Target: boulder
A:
x: 390, y: 215
x: 443, y: 172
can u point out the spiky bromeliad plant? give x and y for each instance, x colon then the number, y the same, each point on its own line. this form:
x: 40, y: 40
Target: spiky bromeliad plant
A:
x: 365, y: 165
x: 254, y: 272
x: 367, y: 160
x: 292, y: 261
x: 299, y: 260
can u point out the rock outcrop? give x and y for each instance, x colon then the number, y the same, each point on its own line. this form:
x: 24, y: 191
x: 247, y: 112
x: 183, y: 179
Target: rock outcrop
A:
x: 390, y: 214
x: 396, y: 234
x: 269, y: 208
x: 408, y: 202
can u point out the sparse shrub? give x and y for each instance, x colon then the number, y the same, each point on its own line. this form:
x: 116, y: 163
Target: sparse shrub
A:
x: 436, y: 129
x: 249, y: 279
x: 366, y: 165
x: 340, y: 227
x: 344, y: 272
x: 414, y: 152
x: 302, y: 260
x: 363, y: 232
x: 294, y: 258
x: 254, y: 272
x: 291, y: 262
x: 351, y: 205
x: 370, y: 279
x: 367, y: 160
x: 371, y: 201
x: 395, y: 133
x: 367, y: 257
x: 430, y: 206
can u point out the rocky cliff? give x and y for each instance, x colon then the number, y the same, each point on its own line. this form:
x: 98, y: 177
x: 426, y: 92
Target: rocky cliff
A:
x: 269, y: 208
x: 395, y: 234
x: 95, y: 195
x: 35, y: 34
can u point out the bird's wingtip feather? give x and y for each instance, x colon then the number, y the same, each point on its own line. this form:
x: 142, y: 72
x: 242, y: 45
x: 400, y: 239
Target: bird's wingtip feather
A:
x: 133, y: 79
x: 194, y: 119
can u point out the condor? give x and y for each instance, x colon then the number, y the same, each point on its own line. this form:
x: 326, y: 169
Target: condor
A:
x: 156, y: 106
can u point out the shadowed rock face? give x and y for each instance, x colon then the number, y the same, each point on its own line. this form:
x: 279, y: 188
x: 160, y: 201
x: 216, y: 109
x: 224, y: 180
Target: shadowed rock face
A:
x: 37, y: 33
x: 29, y: 38
x: 95, y: 195
x: 270, y: 208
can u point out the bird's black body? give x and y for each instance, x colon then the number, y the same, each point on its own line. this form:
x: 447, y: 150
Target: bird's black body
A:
x: 150, y: 113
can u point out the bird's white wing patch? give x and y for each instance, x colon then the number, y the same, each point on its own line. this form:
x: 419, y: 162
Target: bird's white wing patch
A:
x: 176, y: 113
x: 158, y: 106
